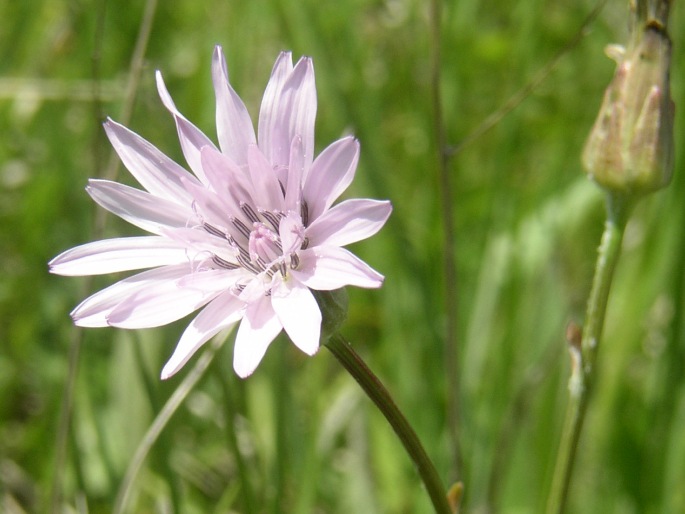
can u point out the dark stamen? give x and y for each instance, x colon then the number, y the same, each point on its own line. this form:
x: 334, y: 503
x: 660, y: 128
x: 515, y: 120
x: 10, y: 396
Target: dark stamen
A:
x: 224, y: 263
x: 272, y: 218
x: 213, y: 230
x: 304, y: 213
x: 294, y: 261
x: 249, y: 212
x: 241, y: 227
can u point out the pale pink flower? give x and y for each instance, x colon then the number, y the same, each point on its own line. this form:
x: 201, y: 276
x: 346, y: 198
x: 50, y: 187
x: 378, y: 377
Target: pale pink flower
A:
x: 247, y: 237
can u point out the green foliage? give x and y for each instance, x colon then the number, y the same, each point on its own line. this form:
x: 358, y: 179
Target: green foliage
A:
x: 299, y: 436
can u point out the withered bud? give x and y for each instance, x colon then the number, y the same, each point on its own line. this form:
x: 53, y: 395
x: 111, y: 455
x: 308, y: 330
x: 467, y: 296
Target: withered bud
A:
x: 630, y: 148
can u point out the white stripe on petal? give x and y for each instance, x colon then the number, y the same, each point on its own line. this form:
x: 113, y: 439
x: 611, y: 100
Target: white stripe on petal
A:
x: 348, y: 222
x: 331, y: 173
x: 121, y: 254
x: 152, y: 169
x: 259, y: 328
x: 192, y: 138
x: 160, y: 303
x: 233, y: 123
x: 325, y: 268
x: 299, y: 314
x: 139, y: 208
x: 93, y: 311
x: 222, y: 312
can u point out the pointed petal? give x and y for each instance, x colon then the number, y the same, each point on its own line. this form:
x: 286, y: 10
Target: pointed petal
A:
x: 259, y: 328
x: 348, y: 222
x: 293, y: 112
x: 325, y: 268
x: 152, y: 169
x: 192, y: 138
x: 93, y: 311
x: 233, y: 123
x: 121, y: 254
x: 139, y: 208
x: 271, y: 103
x: 331, y: 173
x: 299, y: 314
x: 161, y: 303
x: 222, y: 312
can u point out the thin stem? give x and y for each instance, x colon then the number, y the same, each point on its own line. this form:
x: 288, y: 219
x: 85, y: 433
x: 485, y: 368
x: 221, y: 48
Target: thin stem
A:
x: 523, y: 93
x: 584, y: 357
x: 451, y: 293
x: 352, y: 362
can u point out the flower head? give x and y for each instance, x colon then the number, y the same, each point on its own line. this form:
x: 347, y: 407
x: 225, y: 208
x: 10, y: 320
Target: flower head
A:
x: 630, y: 147
x: 245, y: 237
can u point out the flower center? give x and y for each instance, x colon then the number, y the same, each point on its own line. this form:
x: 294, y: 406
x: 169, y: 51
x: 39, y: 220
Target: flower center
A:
x: 263, y: 242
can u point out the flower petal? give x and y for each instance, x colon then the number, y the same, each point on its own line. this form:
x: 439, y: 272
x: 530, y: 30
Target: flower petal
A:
x: 259, y: 328
x: 121, y: 254
x: 192, y: 138
x: 271, y: 104
x: 222, y: 312
x: 325, y: 268
x: 292, y: 113
x: 227, y: 179
x: 199, y: 242
x: 211, y: 279
x: 331, y: 173
x: 233, y: 123
x: 139, y: 208
x: 160, y: 303
x: 266, y: 189
x: 152, y: 169
x: 293, y: 181
x: 299, y: 314
x: 93, y: 311
x: 348, y: 222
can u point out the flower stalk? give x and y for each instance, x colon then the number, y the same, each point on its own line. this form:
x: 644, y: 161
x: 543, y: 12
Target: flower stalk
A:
x: 584, y: 356
x: 374, y: 389
x: 629, y: 153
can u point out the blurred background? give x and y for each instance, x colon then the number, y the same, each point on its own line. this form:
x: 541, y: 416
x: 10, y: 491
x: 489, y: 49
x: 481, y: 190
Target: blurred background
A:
x: 299, y: 436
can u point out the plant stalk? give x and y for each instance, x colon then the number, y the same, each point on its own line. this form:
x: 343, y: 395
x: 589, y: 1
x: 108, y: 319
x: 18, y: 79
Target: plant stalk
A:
x: 352, y: 362
x: 584, y: 357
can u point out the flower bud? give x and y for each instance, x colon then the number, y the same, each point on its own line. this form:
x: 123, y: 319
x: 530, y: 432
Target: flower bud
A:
x: 630, y: 148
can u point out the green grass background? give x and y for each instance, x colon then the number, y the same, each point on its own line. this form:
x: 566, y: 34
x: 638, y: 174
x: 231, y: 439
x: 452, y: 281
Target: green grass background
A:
x: 527, y: 224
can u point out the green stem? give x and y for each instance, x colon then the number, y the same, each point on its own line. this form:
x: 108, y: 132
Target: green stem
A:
x: 585, y: 356
x: 352, y: 362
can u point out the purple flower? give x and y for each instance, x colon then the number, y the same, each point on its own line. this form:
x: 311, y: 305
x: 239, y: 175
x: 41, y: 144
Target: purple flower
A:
x: 246, y: 237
